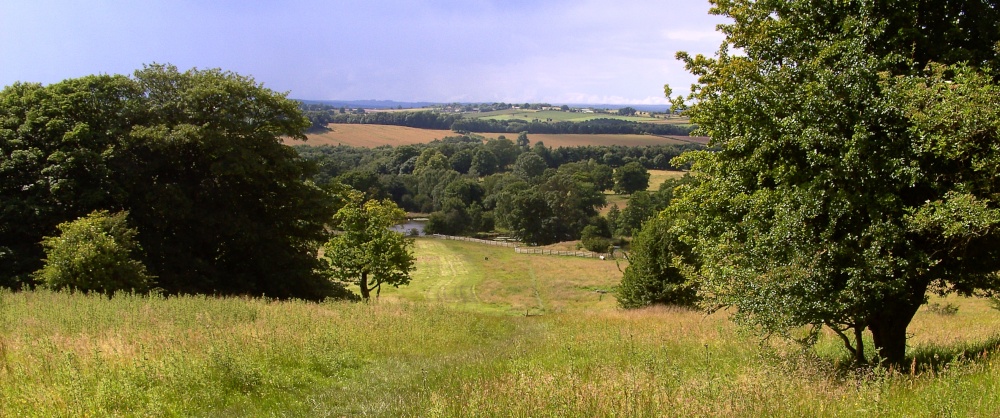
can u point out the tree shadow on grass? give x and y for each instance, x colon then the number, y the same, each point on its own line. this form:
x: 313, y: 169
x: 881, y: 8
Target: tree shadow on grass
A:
x: 931, y: 359
x: 935, y: 359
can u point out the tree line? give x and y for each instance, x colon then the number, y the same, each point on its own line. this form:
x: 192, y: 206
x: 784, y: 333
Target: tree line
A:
x: 320, y: 117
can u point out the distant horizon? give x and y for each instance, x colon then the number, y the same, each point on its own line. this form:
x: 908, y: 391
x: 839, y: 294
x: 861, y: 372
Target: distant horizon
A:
x: 421, y: 103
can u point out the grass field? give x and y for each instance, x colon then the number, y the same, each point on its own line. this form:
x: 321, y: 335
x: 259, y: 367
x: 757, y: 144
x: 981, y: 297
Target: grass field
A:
x: 377, y: 135
x: 657, y: 177
x: 456, y: 343
x: 560, y: 116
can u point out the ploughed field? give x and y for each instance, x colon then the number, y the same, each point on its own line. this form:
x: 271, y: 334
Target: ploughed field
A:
x: 371, y: 136
x: 481, y: 331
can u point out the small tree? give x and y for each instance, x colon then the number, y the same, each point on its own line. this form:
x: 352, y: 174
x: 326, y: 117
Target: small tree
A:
x: 96, y: 253
x: 364, y: 250
x: 523, y: 141
x: 654, y: 275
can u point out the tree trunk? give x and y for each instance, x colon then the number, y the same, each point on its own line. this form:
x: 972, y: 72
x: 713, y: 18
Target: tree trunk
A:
x: 859, y: 345
x: 363, y: 284
x: 889, y: 330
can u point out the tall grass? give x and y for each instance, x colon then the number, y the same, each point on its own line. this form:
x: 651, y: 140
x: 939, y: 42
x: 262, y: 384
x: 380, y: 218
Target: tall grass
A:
x: 412, y: 354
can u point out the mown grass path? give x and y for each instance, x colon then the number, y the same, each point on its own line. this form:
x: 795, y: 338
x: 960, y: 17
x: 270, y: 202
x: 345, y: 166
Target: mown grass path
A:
x: 477, y: 277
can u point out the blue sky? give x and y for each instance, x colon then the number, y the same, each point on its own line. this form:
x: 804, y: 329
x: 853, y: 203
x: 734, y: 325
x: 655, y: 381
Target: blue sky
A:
x: 557, y: 51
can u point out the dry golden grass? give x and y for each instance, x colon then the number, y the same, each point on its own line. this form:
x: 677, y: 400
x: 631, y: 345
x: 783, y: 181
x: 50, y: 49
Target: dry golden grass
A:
x: 371, y: 136
x: 657, y: 177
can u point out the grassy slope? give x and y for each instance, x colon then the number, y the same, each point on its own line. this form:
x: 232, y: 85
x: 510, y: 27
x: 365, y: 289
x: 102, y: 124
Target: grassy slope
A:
x: 456, y: 343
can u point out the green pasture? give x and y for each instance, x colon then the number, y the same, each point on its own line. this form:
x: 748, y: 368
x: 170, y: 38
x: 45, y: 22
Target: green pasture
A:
x: 560, y: 116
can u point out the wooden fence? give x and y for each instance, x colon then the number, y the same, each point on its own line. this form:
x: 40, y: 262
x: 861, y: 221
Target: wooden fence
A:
x: 587, y: 254
x: 511, y: 244
x: 526, y: 250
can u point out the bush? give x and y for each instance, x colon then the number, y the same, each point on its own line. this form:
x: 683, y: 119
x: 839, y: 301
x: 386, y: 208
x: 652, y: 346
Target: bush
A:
x: 653, y: 276
x: 595, y: 238
x: 96, y: 253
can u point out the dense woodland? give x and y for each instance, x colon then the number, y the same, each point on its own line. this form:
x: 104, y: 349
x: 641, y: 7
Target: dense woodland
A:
x: 471, y: 186
x: 170, y: 180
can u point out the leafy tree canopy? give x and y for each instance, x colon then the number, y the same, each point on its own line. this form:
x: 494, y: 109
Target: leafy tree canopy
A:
x: 195, y: 157
x: 631, y: 178
x: 364, y: 250
x: 856, y: 164
x: 96, y: 253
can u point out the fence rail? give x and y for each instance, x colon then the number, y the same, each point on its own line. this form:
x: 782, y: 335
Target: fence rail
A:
x: 509, y: 244
x: 586, y: 254
x: 525, y: 250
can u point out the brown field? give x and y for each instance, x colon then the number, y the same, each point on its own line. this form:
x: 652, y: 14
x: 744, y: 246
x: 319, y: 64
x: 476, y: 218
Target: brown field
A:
x: 371, y: 136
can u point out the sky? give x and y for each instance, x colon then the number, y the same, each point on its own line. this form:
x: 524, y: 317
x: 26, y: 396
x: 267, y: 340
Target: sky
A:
x: 514, y: 51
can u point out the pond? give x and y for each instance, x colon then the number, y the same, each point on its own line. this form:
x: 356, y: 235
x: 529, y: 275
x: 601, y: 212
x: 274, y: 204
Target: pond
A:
x: 410, y: 224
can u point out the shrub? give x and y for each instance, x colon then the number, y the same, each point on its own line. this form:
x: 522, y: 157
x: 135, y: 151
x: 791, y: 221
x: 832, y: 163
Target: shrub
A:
x: 654, y: 275
x: 594, y: 239
x: 96, y: 253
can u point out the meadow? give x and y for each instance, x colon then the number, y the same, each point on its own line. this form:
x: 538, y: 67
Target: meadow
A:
x: 371, y: 136
x: 481, y: 331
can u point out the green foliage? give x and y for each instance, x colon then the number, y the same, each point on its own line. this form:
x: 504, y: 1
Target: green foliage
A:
x: 856, y: 164
x: 195, y: 157
x: 657, y: 261
x: 484, y: 163
x: 522, y: 140
x: 505, y: 150
x: 627, y: 111
x: 529, y: 166
x: 640, y: 208
x: 364, y: 248
x: 595, y: 239
x: 557, y: 210
x: 96, y: 253
x: 631, y: 178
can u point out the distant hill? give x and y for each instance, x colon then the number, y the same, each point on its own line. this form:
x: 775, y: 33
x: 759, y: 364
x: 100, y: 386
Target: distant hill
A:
x: 392, y: 104
x: 371, y: 104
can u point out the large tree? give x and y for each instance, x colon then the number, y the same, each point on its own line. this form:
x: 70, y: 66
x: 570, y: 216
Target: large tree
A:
x: 856, y: 168
x: 631, y: 178
x: 195, y: 157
